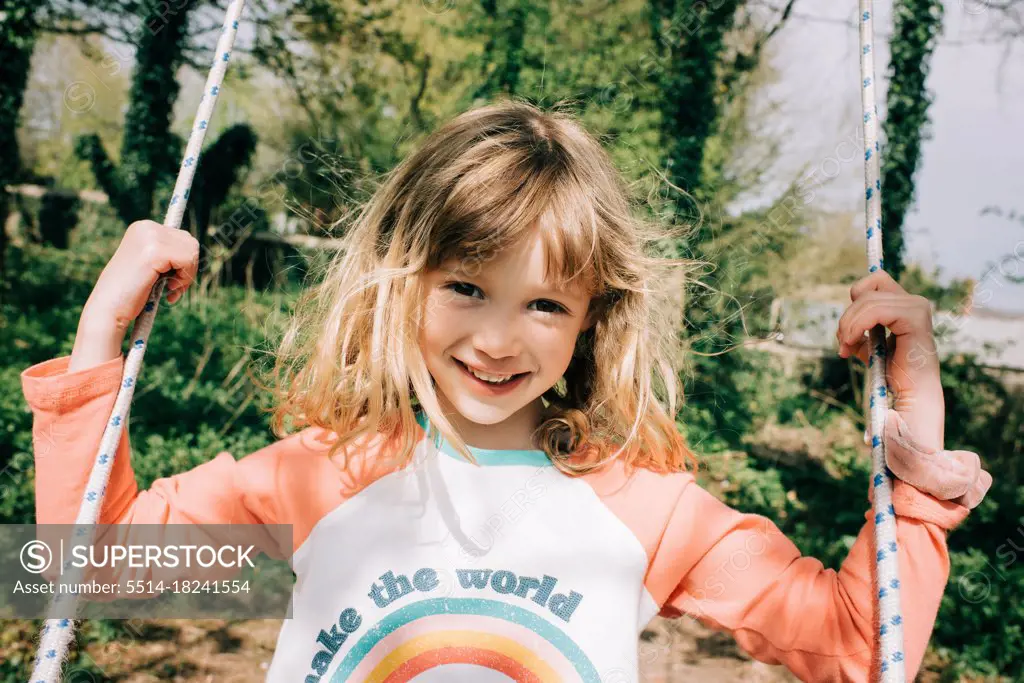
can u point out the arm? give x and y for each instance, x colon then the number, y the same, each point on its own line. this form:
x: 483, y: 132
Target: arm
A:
x: 71, y: 399
x: 70, y: 411
x: 738, y: 573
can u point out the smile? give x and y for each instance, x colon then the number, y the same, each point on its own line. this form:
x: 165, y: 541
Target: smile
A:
x: 493, y: 384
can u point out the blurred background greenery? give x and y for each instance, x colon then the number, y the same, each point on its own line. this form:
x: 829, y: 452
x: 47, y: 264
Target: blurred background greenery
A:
x: 322, y: 96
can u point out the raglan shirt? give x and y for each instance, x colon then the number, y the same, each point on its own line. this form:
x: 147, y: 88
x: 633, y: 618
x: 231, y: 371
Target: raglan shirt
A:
x: 508, y: 569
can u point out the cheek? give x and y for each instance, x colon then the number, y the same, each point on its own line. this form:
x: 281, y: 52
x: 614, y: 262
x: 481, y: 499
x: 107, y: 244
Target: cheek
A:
x: 441, y: 323
x: 554, y: 346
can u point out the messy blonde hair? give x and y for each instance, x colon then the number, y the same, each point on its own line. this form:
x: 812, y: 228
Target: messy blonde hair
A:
x: 349, y: 360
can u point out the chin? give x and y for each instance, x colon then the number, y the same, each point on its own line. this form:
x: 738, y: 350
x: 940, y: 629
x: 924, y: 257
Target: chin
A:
x: 481, y: 413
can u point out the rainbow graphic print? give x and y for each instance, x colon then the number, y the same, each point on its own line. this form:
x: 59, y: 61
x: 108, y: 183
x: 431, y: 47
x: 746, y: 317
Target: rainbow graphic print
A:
x: 424, y: 640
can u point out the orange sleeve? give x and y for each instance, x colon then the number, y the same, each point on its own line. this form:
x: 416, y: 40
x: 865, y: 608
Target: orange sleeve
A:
x: 70, y: 412
x: 739, y: 573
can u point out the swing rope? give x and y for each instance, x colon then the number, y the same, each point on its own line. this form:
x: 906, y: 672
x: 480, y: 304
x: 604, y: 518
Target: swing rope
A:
x: 55, y: 635
x: 889, y: 644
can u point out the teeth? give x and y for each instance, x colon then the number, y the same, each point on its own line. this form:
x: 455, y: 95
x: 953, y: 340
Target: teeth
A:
x: 495, y: 379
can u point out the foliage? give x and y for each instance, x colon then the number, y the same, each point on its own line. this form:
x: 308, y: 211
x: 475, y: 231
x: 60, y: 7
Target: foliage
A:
x: 150, y: 152
x: 917, y: 25
x: 689, y: 106
x: 195, y: 398
x: 504, y: 50
x: 17, y: 38
x: 217, y: 172
x: 319, y: 179
x: 706, y: 69
x: 147, y: 149
x: 57, y: 217
x: 203, y: 346
x: 955, y: 296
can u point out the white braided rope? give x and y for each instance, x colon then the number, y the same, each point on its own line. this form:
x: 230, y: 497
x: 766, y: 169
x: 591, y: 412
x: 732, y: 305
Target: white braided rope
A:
x: 55, y: 636
x: 889, y: 645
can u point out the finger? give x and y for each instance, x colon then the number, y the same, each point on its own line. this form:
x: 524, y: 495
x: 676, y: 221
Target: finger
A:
x: 901, y: 314
x: 188, y: 247
x: 172, y: 282
x: 844, y: 329
x: 175, y: 291
x: 182, y: 278
x: 860, y: 350
x: 183, y: 258
x: 878, y: 281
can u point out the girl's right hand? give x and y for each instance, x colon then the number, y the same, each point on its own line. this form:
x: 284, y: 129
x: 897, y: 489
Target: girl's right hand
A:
x: 147, y: 251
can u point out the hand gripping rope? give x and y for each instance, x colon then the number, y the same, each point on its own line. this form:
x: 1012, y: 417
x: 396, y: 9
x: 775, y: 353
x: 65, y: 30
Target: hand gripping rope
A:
x: 889, y: 645
x: 56, y: 634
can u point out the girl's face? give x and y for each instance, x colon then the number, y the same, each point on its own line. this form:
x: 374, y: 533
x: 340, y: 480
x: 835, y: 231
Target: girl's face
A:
x: 498, y: 317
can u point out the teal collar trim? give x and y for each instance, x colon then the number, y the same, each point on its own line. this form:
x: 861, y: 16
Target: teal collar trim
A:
x: 488, y: 456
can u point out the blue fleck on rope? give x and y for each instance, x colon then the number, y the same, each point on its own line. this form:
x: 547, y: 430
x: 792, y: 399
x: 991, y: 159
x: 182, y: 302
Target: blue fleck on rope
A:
x: 889, y: 652
x: 55, y: 636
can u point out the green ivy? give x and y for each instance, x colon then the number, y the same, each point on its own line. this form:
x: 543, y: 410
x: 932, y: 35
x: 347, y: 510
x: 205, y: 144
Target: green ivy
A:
x: 18, y: 31
x: 690, y: 38
x: 917, y: 24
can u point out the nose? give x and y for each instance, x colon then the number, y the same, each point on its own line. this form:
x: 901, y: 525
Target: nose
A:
x: 498, y: 337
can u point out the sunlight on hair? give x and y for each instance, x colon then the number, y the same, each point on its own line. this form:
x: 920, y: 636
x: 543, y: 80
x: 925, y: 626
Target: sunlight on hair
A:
x: 349, y: 360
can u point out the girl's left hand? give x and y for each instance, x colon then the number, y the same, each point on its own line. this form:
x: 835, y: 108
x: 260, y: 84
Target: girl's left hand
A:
x: 914, y: 424
x: 912, y: 370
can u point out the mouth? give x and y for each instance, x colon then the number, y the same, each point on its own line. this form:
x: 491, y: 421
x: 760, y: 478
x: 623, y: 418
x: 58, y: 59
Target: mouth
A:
x: 492, y: 388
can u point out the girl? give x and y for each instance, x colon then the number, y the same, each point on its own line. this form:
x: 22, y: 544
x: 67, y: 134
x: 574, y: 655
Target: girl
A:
x: 487, y: 482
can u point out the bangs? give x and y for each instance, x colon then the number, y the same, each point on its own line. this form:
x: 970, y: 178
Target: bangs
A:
x: 509, y: 198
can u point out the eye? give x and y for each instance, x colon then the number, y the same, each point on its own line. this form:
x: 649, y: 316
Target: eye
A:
x: 555, y: 306
x: 454, y: 286
x: 467, y: 289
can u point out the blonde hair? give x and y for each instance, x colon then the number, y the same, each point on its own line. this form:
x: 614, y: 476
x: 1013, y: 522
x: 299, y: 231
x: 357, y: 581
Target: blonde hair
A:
x: 349, y: 360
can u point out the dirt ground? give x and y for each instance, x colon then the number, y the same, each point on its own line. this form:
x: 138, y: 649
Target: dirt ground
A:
x: 203, y: 651
x: 195, y: 651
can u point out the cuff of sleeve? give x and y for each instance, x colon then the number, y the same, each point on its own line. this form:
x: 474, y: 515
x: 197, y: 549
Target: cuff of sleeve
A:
x: 908, y: 501
x: 48, y: 386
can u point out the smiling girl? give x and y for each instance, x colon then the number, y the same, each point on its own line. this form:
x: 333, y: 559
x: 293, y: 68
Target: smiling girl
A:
x: 494, y: 355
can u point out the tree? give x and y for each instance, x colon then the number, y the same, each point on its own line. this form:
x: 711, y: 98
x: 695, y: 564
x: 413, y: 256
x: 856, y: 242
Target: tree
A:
x: 218, y: 171
x: 917, y: 24
x: 708, y: 53
x: 1005, y: 19
x: 503, y: 52
x: 21, y: 22
x: 148, y: 149
x: 709, y: 56
x: 690, y: 36
x: 150, y: 152
x: 17, y: 38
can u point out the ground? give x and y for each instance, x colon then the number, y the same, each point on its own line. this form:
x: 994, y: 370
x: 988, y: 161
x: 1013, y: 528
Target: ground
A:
x: 203, y: 651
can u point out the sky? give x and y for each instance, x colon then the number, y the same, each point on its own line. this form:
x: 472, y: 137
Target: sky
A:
x: 974, y: 159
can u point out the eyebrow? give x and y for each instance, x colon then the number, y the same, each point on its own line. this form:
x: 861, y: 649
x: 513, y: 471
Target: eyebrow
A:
x: 455, y: 269
x: 549, y: 287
